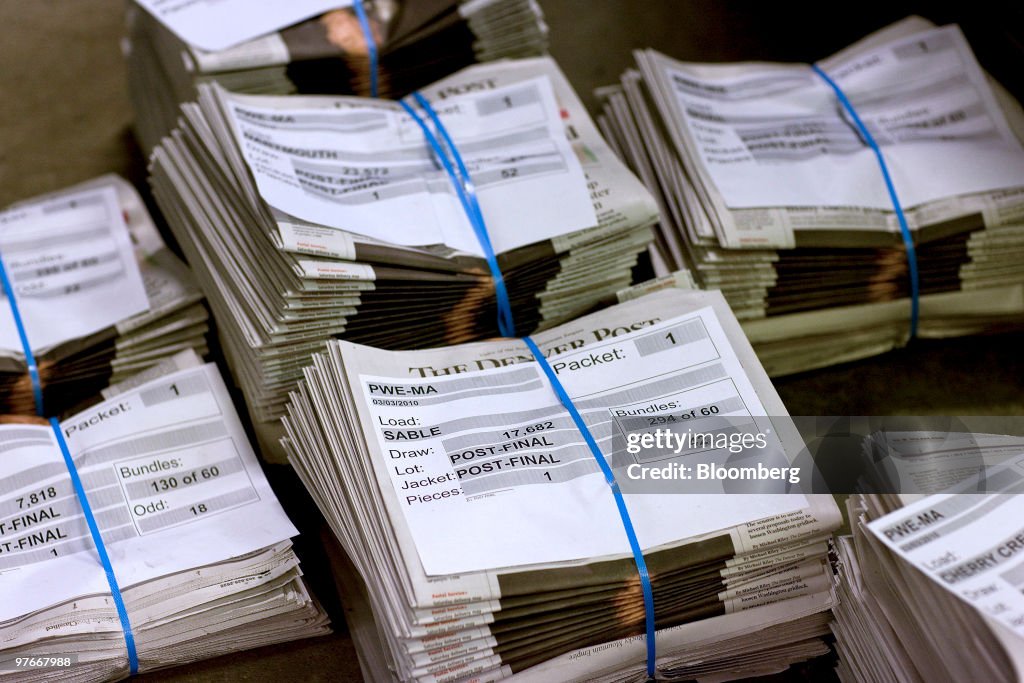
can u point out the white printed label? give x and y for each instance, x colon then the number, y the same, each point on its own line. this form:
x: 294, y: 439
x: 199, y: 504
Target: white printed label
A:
x: 219, y: 24
x: 971, y: 545
x: 775, y: 135
x: 365, y: 166
x: 316, y: 240
x: 462, y: 451
x: 169, y: 475
x: 334, y: 270
x: 71, y: 263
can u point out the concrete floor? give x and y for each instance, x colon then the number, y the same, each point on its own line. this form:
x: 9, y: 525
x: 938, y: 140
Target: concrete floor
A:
x: 64, y: 118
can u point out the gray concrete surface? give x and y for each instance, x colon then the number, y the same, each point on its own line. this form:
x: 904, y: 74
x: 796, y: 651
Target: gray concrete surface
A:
x: 64, y: 118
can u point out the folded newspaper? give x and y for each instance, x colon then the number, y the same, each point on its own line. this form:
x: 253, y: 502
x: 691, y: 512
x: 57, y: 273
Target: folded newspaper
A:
x: 486, y: 540
x: 310, y: 46
x: 100, y: 296
x: 197, y: 541
x: 307, y: 218
x: 769, y: 192
x: 929, y: 586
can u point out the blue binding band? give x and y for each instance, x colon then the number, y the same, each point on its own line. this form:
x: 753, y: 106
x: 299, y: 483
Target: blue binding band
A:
x: 30, y: 359
x: 609, y: 476
x: 467, y: 197
x: 371, y: 44
x: 908, y: 238
x: 101, y: 549
x: 506, y: 323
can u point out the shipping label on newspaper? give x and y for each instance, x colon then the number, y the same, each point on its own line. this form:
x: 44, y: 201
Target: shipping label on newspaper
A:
x: 776, y: 135
x: 365, y: 166
x: 170, y: 477
x: 463, y: 450
x: 72, y: 267
x: 928, y: 462
x: 218, y: 24
x: 970, y: 544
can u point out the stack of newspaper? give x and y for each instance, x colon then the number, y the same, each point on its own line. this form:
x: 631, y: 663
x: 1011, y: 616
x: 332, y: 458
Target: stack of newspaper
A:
x: 198, y: 543
x: 100, y: 296
x: 312, y: 46
x: 769, y: 192
x: 929, y: 586
x: 308, y: 217
x: 487, y: 540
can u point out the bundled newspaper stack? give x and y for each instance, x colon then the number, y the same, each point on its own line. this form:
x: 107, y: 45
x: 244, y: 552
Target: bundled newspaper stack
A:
x: 311, y: 46
x: 196, y: 539
x: 769, y: 191
x: 929, y: 586
x: 307, y: 218
x: 100, y: 296
x: 487, y: 540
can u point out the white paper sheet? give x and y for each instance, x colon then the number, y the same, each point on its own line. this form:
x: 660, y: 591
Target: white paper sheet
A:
x: 455, y: 475
x: 71, y: 263
x: 171, y: 479
x: 775, y: 135
x: 218, y: 24
x: 972, y: 545
x: 365, y: 166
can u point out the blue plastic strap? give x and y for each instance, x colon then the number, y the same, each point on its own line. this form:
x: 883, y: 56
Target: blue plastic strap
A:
x: 371, y: 44
x: 101, y: 549
x: 506, y: 323
x: 30, y: 360
x: 467, y: 197
x: 609, y: 476
x: 908, y: 238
